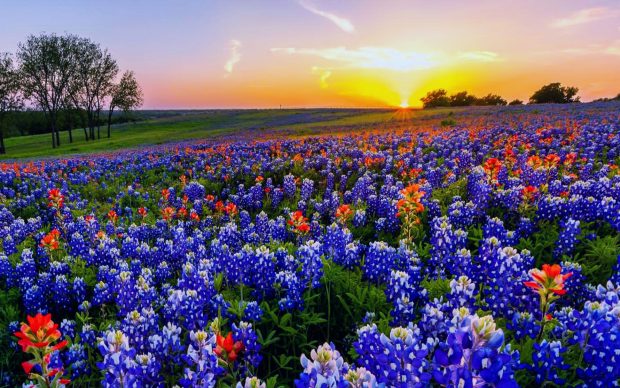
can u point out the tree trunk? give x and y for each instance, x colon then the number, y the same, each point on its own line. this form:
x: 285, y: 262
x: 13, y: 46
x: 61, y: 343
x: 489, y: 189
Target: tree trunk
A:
x: 70, y: 128
x: 2, y: 149
x: 85, y: 133
x: 98, y: 124
x: 53, y: 138
x: 109, y: 120
x: 91, y: 129
x: 53, y: 127
x: 57, y: 137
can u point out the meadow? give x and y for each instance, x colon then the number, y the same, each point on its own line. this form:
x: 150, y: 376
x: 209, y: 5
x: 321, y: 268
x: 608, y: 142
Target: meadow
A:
x: 474, y: 247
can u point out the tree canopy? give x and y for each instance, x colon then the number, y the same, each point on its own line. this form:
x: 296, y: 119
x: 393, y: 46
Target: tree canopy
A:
x: 555, y: 93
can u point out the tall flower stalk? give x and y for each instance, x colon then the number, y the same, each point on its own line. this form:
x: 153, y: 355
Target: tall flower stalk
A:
x: 549, y: 284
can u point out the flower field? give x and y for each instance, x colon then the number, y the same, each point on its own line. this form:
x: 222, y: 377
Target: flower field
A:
x: 480, y: 253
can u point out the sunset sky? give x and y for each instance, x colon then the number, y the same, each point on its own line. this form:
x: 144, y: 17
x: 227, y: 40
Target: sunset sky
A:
x: 319, y: 53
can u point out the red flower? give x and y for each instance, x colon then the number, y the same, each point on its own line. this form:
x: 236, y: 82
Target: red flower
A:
x: 226, y: 349
x: 551, y: 160
x: 299, y: 223
x: 492, y: 167
x: 40, y: 332
x: 167, y: 213
x: 344, y: 213
x: 231, y: 209
x: 55, y: 197
x: 112, y: 216
x: 50, y: 240
x: 27, y: 366
x: 142, y: 212
x: 410, y: 203
x: 549, y: 281
x: 529, y: 192
x: 165, y: 193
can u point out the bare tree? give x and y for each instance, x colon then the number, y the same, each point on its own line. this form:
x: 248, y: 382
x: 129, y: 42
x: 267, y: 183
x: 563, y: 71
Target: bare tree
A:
x: 126, y: 95
x: 10, y: 97
x: 95, y: 74
x: 47, y: 65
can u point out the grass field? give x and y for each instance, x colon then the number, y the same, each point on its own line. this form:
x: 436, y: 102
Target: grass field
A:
x: 168, y: 127
x: 214, y: 125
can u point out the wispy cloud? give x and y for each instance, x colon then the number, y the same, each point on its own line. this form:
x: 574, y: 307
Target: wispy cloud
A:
x: 342, y: 23
x: 368, y: 57
x: 612, y: 48
x: 324, y: 74
x: 480, y: 56
x: 387, y: 58
x: 584, y: 16
x: 235, y: 56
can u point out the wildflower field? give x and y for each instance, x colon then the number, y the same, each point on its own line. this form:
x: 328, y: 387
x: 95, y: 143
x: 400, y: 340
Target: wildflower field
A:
x: 481, y: 251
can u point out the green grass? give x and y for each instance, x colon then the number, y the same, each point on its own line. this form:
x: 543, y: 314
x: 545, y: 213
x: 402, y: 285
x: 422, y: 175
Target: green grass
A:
x: 219, y: 124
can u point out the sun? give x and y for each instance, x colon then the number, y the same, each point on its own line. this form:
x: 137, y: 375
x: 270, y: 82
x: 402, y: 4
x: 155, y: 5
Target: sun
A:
x: 404, y: 105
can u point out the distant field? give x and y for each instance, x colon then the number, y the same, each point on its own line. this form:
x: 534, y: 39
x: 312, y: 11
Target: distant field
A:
x: 189, y: 125
x: 217, y: 125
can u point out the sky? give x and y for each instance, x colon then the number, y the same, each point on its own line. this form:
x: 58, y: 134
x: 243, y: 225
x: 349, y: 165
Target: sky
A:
x: 345, y: 53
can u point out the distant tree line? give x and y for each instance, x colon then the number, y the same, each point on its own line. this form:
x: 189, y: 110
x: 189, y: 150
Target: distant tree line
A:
x: 551, y: 93
x: 617, y: 98
x: 69, y: 80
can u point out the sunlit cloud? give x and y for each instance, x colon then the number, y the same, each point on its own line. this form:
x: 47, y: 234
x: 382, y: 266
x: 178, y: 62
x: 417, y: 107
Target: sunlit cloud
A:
x: 235, y: 56
x: 324, y: 74
x: 342, y: 23
x: 584, y: 16
x: 480, y: 56
x: 368, y: 57
x: 595, y: 49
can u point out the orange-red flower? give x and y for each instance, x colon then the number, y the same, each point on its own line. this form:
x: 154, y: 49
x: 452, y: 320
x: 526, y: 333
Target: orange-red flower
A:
x: 344, y: 213
x: 165, y: 193
x: 226, y: 349
x: 112, y: 216
x: 50, y: 240
x: 410, y: 203
x: 231, y: 209
x: 529, y: 192
x: 37, y: 337
x: 492, y: 167
x: 552, y: 160
x: 55, y: 198
x: 548, y: 281
x: 167, y: 213
x: 40, y: 332
x: 142, y: 212
x: 299, y: 223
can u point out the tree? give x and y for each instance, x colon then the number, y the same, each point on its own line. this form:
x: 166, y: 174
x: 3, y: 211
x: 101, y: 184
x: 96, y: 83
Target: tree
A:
x: 47, y: 65
x: 126, y: 95
x: 10, y: 97
x: 516, y: 101
x: 436, y: 98
x: 491, y: 100
x: 462, y: 99
x: 555, y: 93
x: 92, y: 84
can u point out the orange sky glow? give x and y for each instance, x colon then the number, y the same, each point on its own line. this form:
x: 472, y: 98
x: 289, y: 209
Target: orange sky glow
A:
x: 349, y: 53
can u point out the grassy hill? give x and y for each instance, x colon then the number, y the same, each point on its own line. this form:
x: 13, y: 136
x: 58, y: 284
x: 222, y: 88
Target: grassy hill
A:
x: 215, y: 125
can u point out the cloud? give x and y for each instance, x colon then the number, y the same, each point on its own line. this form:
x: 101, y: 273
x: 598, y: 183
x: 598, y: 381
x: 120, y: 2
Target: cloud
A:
x: 595, y: 49
x: 613, y: 49
x: 386, y: 58
x: 480, y: 56
x: 368, y: 57
x: 235, y: 56
x: 324, y: 75
x: 342, y: 23
x: 584, y: 16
